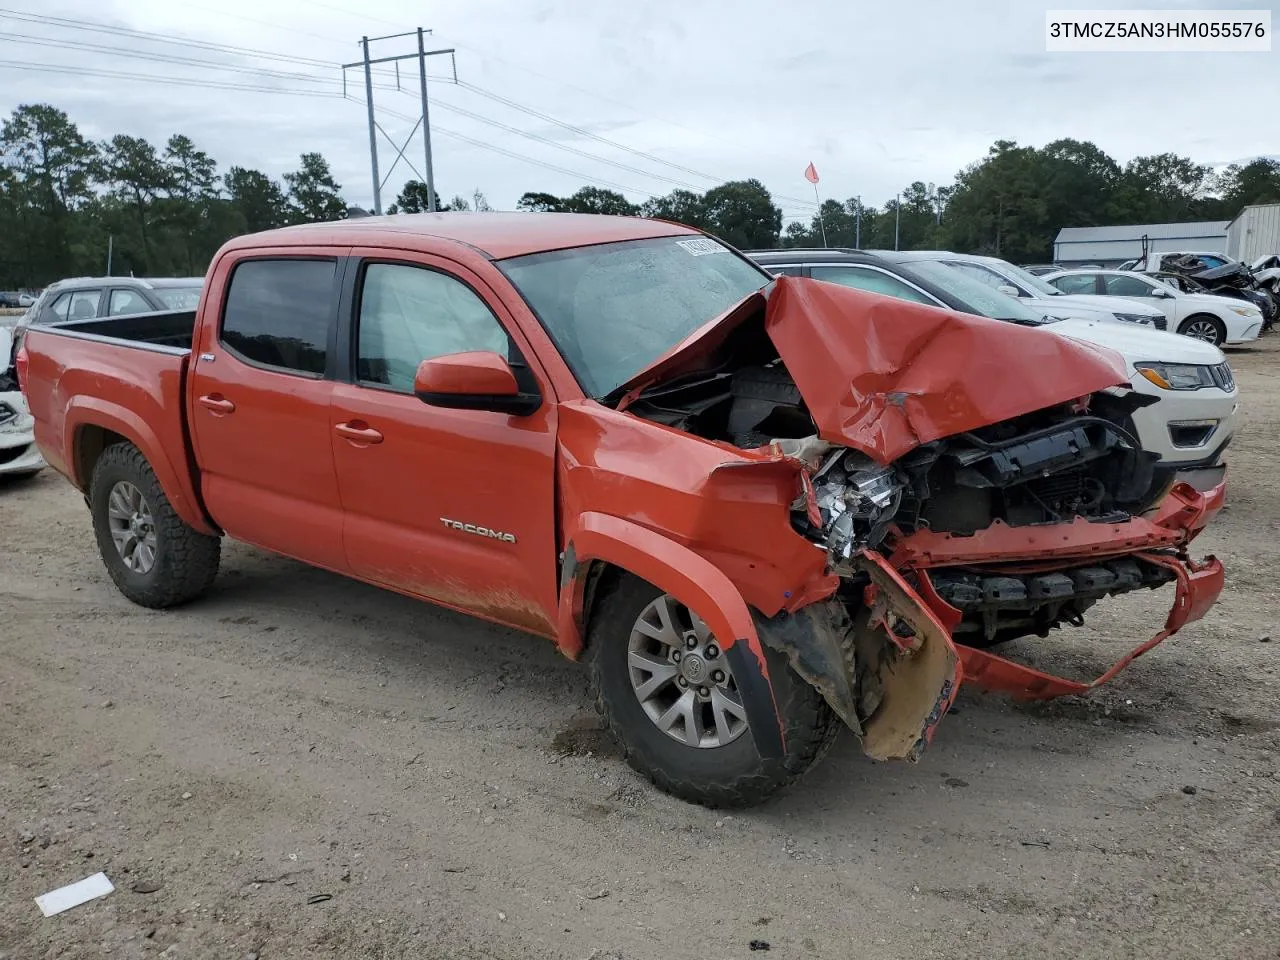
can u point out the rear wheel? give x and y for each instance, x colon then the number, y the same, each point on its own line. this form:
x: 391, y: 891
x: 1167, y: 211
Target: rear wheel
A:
x: 670, y: 696
x: 1202, y: 326
x: 153, y: 557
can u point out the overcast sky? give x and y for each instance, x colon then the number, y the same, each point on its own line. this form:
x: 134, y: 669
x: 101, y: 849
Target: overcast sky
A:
x: 875, y: 94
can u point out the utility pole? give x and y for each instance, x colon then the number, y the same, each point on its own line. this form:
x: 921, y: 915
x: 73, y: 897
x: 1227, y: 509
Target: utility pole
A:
x: 111, y: 242
x: 857, y: 226
x: 897, y: 219
x: 373, y: 134
x: 424, y: 121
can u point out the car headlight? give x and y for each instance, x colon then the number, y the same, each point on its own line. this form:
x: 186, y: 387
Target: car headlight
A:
x: 1247, y: 311
x: 1177, y: 376
x: 1134, y: 318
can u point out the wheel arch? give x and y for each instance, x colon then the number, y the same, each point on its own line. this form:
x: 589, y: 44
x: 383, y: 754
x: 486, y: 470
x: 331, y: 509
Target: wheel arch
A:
x: 94, y: 424
x: 603, y: 546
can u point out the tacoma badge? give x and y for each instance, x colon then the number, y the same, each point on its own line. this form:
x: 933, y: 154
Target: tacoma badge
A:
x: 478, y: 530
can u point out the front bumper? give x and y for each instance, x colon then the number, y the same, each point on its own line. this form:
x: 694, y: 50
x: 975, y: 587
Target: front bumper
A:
x: 894, y: 670
x: 1185, y: 426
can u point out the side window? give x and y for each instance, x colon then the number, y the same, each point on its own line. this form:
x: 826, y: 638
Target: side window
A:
x: 279, y: 312
x: 1076, y: 283
x: 126, y: 301
x: 409, y: 314
x: 1118, y: 286
x: 786, y: 271
x: 871, y: 280
x: 84, y: 304
x: 58, y: 310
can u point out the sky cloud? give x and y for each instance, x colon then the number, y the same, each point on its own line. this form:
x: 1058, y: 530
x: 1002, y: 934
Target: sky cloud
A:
x: 875, y: 95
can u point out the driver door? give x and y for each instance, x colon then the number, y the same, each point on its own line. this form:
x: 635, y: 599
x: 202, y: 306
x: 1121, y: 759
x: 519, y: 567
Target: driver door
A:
x: 454, y: 506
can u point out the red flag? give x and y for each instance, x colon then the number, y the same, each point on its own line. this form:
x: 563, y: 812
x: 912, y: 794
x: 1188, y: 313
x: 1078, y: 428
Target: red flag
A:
x: 811, y: 173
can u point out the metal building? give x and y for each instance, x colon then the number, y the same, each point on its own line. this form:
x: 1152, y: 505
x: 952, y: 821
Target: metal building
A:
x: 1255, y: 232
x: 1109, y: 246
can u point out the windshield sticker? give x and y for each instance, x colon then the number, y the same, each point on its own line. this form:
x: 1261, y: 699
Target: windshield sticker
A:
x: 699, y: 248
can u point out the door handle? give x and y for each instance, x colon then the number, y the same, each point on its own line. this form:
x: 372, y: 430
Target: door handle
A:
x: 357, y: 431
x: 217, y: 403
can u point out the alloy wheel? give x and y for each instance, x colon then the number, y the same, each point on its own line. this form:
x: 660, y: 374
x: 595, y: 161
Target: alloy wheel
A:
x: 133, y: 528
x: 682, y: 678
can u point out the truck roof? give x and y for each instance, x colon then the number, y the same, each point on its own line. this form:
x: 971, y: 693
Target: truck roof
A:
x: 496, y: 235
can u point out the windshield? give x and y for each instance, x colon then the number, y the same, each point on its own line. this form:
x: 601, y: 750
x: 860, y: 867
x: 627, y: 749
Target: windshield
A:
x: 179, y: 298
x: 614, y: 308
x: 974, y: 294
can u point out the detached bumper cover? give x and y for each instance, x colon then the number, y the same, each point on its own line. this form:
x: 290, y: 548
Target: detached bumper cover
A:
x: 1198, y: 587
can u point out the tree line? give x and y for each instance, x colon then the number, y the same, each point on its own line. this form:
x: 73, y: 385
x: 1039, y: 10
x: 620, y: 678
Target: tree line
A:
x: 65, y: 200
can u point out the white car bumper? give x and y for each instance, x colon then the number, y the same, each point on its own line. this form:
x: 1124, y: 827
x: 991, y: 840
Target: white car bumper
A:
x: 18, y: 452
x: 1243, y: 329
x: 1188, y: 428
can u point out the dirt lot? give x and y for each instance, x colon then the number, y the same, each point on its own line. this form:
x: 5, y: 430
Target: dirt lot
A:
x: 447, y: 785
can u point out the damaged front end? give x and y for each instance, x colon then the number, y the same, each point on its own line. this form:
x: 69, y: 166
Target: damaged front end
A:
x: 967, y: 483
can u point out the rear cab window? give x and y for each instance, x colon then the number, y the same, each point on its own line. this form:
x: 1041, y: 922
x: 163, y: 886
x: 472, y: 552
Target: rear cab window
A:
x: 279, y: 314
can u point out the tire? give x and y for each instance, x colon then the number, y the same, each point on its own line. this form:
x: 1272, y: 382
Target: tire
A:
x: 730, y: 775
x: 1204, y: 321
x: 184, y: 561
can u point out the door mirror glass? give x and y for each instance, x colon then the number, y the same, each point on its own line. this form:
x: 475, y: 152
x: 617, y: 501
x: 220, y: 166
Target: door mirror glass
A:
x: 474, y: 380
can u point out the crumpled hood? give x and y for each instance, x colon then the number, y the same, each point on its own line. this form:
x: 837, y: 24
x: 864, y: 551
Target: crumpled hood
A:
x: 883, y: 375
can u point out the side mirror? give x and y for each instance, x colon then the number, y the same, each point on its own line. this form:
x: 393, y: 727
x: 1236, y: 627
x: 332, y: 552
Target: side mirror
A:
x: 1008, y: 291
x: 476, y: 380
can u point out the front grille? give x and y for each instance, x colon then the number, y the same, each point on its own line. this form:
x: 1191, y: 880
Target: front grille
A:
x: 7, y: 413
x: 1223, y: 376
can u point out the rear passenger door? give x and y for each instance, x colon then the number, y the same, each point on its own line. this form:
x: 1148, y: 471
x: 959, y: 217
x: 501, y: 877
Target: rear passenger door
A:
x: 456, y: 506
x: 259, y: 399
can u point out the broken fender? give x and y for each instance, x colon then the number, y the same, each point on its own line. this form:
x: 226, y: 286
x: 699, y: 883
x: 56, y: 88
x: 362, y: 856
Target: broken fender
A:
x: 691, y: 579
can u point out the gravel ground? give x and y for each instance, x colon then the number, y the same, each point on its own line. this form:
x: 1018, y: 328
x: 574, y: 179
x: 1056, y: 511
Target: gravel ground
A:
x: 446, y: 788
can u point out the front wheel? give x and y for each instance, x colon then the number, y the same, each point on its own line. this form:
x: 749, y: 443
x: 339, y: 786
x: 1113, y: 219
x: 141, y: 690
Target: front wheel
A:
x: 671, y: 698
x: 1201, y: 326
x: 153, y: 557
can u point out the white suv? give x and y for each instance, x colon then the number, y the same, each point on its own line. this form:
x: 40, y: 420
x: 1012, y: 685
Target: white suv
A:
x: 1205, y: 316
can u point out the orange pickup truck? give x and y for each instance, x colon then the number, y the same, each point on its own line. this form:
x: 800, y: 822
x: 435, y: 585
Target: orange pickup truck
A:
x: 763, y: 509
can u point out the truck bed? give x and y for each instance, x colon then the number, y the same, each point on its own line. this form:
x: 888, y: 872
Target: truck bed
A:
x: 91, y: 382
x: 170, y: 328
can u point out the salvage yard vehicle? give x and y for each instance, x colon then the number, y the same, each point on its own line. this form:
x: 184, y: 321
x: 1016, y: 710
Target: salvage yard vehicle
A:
x: 1032, y: 290
x: 19, y: 456
x: 1204, y: 316
x: 1194, y: 409
x: 762, y: 509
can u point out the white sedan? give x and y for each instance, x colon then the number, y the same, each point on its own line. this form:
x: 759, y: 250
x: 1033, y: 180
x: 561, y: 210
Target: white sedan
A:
x: 1204, y: 316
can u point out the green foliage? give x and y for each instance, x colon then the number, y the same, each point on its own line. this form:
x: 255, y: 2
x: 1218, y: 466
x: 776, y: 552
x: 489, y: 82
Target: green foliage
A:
x: 163, y: 211
x: 166, y: 211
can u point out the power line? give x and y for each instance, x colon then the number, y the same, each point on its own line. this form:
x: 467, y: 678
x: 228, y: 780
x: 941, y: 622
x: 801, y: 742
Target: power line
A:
x: 529, y: 135
x: 97, y: 27
x: 512, y: 154
x: 489, y: 94
x: 153, y: 78
x: 26, y: 39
